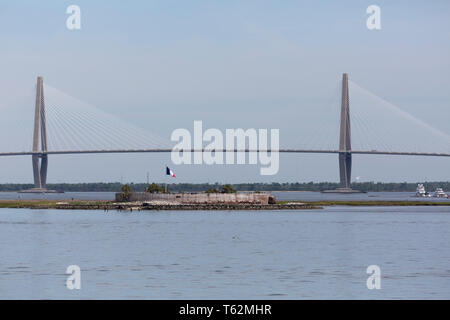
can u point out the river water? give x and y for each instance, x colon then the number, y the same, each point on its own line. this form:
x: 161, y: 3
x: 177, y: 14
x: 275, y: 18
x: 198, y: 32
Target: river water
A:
x: 300, y: 254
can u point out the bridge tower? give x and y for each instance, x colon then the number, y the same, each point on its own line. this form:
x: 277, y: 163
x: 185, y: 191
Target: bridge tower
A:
x: 40, y: 156
x: 40, y: 159
x: 345, y: 145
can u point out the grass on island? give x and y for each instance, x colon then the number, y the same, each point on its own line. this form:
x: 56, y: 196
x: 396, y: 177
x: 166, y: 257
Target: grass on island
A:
x: 49, y: 204
x: 36, y: 204
x: 369, y: 203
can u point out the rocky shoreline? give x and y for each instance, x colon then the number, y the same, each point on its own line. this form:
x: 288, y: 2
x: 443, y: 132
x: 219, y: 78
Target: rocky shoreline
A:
x: 226, y: 207
x: 174, y: 206
x: 155, y: 206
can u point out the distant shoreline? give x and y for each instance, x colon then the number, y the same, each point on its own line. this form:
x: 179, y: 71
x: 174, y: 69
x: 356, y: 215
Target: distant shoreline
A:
x: 242, y: 187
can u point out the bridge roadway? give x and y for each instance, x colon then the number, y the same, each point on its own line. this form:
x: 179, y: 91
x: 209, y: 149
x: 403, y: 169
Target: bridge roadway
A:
x: 30, y: 153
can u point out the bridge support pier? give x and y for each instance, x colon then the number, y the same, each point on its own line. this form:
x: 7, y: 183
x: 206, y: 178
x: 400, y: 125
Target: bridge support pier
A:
x: 40, y: 157
x: 345, y: 144
x: 345, y: 169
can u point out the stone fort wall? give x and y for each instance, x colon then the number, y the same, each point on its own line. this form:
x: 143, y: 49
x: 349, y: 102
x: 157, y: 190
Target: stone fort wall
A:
x: 256, y: 198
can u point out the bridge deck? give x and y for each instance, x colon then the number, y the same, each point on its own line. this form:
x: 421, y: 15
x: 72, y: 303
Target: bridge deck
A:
x: 29, y: 153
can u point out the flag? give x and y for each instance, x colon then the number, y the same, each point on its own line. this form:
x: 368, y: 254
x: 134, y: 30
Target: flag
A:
x: 170, y: 172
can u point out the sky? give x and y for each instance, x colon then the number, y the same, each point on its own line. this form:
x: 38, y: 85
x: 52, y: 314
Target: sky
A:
x: 160, y: 65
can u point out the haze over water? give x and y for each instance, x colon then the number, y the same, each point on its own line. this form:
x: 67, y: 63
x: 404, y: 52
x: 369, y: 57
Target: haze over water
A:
x: 212, y: 255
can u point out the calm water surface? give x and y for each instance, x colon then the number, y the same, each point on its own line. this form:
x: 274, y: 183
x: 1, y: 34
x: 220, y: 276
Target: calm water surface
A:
x: 211, y: 255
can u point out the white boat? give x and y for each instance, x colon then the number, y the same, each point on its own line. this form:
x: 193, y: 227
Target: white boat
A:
x: 439, y: 193
x: 420, y: 191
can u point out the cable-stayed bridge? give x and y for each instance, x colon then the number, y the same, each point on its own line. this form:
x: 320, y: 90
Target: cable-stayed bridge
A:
x: 85, y: 127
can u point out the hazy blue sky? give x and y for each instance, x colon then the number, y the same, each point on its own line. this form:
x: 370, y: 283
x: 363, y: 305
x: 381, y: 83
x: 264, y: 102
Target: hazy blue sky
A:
x: 233, y: 64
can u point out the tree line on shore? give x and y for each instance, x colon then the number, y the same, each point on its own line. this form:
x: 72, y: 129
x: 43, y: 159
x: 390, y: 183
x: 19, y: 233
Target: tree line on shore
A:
x: 217, y: 187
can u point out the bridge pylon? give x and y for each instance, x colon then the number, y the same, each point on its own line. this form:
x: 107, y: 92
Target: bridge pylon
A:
x: 40, y: 156
x: 345, y: 143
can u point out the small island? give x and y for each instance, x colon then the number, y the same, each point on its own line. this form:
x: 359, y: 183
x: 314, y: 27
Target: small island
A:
x: 158, y: 197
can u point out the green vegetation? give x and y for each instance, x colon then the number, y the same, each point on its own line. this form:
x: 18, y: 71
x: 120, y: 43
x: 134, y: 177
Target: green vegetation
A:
x: 370, y: 203
x: 202, y: 187
x: 228, y: 189
x: 225, y: 189
x: 154, y: 188
x: 126, y: 192
x: 44, y: 204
